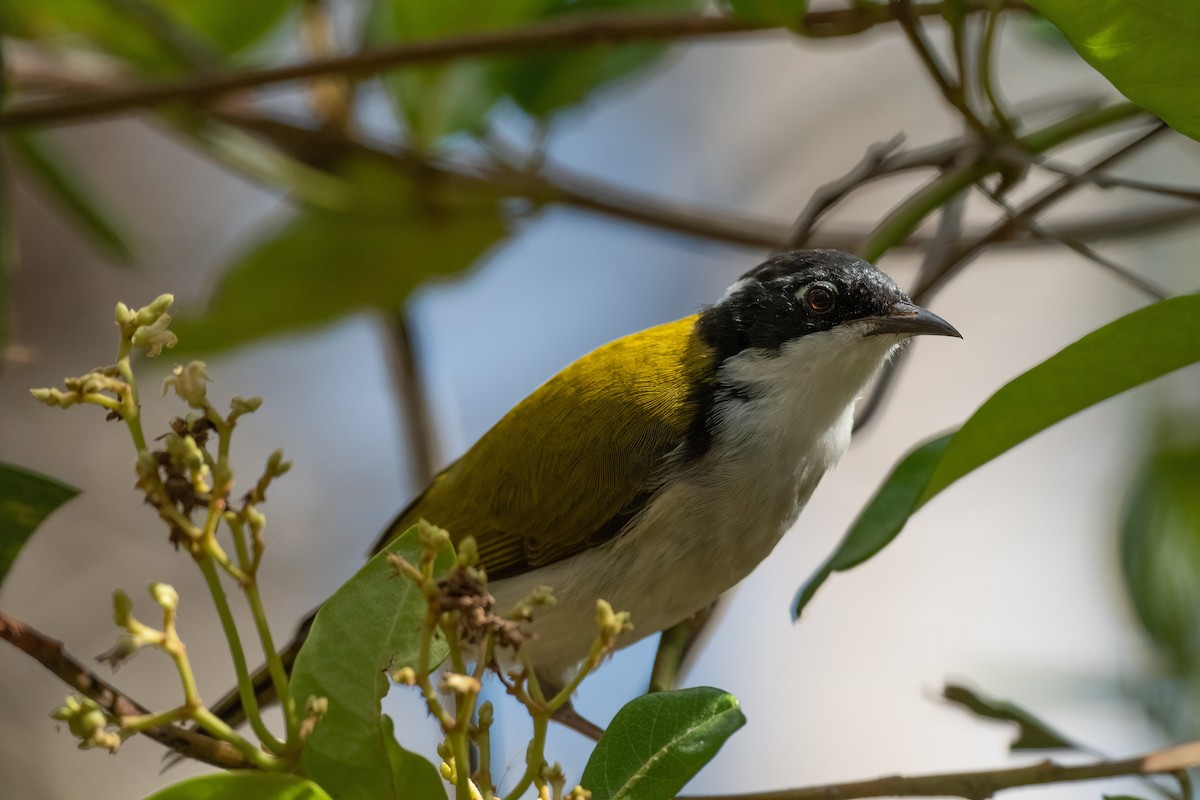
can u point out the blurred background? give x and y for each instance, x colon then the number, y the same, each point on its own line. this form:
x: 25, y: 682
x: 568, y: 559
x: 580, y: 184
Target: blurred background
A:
x: 1012, y: 581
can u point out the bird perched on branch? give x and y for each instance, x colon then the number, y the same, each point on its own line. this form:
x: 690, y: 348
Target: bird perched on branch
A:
x: 657, y: 471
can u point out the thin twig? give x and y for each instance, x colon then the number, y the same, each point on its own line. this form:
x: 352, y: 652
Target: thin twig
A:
x: 566, y: 32
x: 1007, y: 228
x: 51, y: 655
x: 949, y: 230
x: 569, y: 188
x: 1103, y: 180
x: 1124, y: 273
x: 982, y: 784
x: 835, y: 191
x: 413, y: 402
x: 954, y: 92
x: 1039, y: 232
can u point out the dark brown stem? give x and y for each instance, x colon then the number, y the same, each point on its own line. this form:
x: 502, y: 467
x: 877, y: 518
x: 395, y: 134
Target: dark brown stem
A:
x: 953, y: 91
x: 422, y: 459
x: 830, y: 194
x: 1013, y: 224
x: 556, y: 185
x: 982, y: 784
x: 567, y: 32
x: 51, y: 655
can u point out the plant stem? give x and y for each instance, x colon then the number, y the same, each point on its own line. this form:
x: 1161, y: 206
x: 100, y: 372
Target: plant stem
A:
x: 51, y: 654
x: 565, y: 32
x: 534, y: 758
x: 211, y: 722
x: 905, y: 218
x: 245, y: 684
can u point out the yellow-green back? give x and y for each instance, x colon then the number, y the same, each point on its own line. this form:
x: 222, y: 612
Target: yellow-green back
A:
x: 565, y: 468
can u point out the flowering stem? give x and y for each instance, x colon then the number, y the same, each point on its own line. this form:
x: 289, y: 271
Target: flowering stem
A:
x: 245, y: 684
x: 132, y: 411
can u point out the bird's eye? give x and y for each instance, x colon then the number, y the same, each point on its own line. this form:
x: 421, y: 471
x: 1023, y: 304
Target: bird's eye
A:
x: 820, y: 298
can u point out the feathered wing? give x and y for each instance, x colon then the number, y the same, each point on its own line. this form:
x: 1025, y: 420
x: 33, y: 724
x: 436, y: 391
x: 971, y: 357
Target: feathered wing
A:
x: 567, y: 467
x: 534, y: 490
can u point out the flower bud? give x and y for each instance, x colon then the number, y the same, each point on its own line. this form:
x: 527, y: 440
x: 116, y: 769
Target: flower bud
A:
x: 460, y: 684
x: 468, y: 552
x: 189, y: 383
x: 165, y: 595
x: 406, y: 676
x: 122, y: 609
x: 149, y: 314
x: 154, y: 337
x: 244, y: 405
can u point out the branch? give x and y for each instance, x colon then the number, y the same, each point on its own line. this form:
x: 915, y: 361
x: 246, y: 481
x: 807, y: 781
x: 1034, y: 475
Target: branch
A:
x: 569, y: 188
x: 564, y: 33
x: 983, y: 784
x: 423, y: 461
x: 1005, y: 229
x: 51, y: 655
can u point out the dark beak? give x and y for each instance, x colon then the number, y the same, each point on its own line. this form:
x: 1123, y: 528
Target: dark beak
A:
x: 908, y: 319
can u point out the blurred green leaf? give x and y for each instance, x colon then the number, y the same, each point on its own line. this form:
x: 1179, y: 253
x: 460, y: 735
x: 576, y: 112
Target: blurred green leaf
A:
x: 543, y: 83
x: 435, y: 101
x: 1147, y: 50
x: 657, y: 742
x: 242, y: 786
x: 788, y: 13
x: 26, y: 498
x: 57, y: 176
x: 134, y: 29
x: 1128, y: 352
x: 1032, y: 733
x: 389, y: 236
x: 880, y: 521
x: 369, y: 627
x: 8, y: 246
x: 1160, y: 549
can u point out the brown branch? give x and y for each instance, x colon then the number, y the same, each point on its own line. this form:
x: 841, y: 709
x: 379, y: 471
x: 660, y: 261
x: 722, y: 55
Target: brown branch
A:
x: 423, y: 461
x: 830, y: 194
x: 567, y: 32
x: 561, y: 186
x: 51, y: 655
x: 1013, y: 224
x: 982, y: 784
x: 1039, y: 232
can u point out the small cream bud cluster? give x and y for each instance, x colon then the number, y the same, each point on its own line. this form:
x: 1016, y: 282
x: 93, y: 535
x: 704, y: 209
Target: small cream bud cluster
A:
x: 88, y: 723
x: 147, y: 327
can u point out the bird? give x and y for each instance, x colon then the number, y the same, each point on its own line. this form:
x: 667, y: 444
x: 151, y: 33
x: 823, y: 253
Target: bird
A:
x: 657, y: 471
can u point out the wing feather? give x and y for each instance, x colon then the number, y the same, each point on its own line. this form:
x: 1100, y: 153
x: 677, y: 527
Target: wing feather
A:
x: 571, y: 464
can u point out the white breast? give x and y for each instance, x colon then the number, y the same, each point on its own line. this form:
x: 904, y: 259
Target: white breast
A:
x: 719, y: 516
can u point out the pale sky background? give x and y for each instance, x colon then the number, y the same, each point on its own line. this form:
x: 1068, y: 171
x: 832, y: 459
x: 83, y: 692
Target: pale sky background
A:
x: 1008, y: 580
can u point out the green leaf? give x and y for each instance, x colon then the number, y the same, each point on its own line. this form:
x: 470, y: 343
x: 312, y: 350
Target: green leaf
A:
x: 1032, y: 733
x: 1128, y: 352
x: 1147, y: 50
x: 438, y: 100
x: 242, y: 786
x: 26, y: 499
x: 159, y: 36
x: 1160, y: 549
x: 369, y: 627
x: 881, y: 520
x: 388, y: 236
x: 544, y: 83
x: 656, y: 743
x: 788, y: 13
x: 53, y: 171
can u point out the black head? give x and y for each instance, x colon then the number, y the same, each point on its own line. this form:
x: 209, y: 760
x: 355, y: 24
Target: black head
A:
x: 808, y: 291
